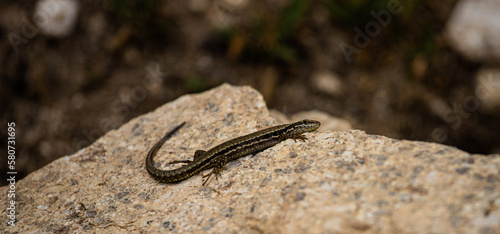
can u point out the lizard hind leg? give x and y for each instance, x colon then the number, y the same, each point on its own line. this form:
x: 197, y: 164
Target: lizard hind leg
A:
x: 215, y: 171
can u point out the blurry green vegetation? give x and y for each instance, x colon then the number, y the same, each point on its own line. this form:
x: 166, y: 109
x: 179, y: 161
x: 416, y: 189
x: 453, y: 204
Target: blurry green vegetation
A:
x: 271, y: 37
x: 134, y: 10
x: 426, y: 45
x: 406, y: 29
x: 142, y: 15
x: 353, y: 12
x: 357, y: 12
x: 195, y: 83
x: 290, y: 18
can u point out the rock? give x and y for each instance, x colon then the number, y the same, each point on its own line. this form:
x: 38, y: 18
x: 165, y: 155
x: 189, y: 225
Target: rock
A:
x: 56, y: 18
x: 488, y: 88
x: 474, y: 30
x: 327, y: 82
x: 224, y: 13
x: 419, y: 66
x: 341, y: 181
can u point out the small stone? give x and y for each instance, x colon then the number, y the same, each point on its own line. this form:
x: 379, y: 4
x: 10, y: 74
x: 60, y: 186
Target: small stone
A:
x: 419, y: 66
x: 56, y: 18
x: 473, y: 29
x: 327, y: 81
x: 488, y: 88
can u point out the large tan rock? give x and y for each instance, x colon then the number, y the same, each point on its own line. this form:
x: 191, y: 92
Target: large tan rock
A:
x: 337, y: 181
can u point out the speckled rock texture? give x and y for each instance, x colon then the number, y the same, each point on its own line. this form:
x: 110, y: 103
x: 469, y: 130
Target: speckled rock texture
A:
x: 335, y: 182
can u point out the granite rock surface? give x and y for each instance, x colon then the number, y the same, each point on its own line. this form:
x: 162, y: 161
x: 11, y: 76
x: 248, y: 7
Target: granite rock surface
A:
x: 335, y: 182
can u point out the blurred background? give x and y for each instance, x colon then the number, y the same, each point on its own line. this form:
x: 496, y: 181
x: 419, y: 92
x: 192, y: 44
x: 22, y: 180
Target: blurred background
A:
x: 419, y: 70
